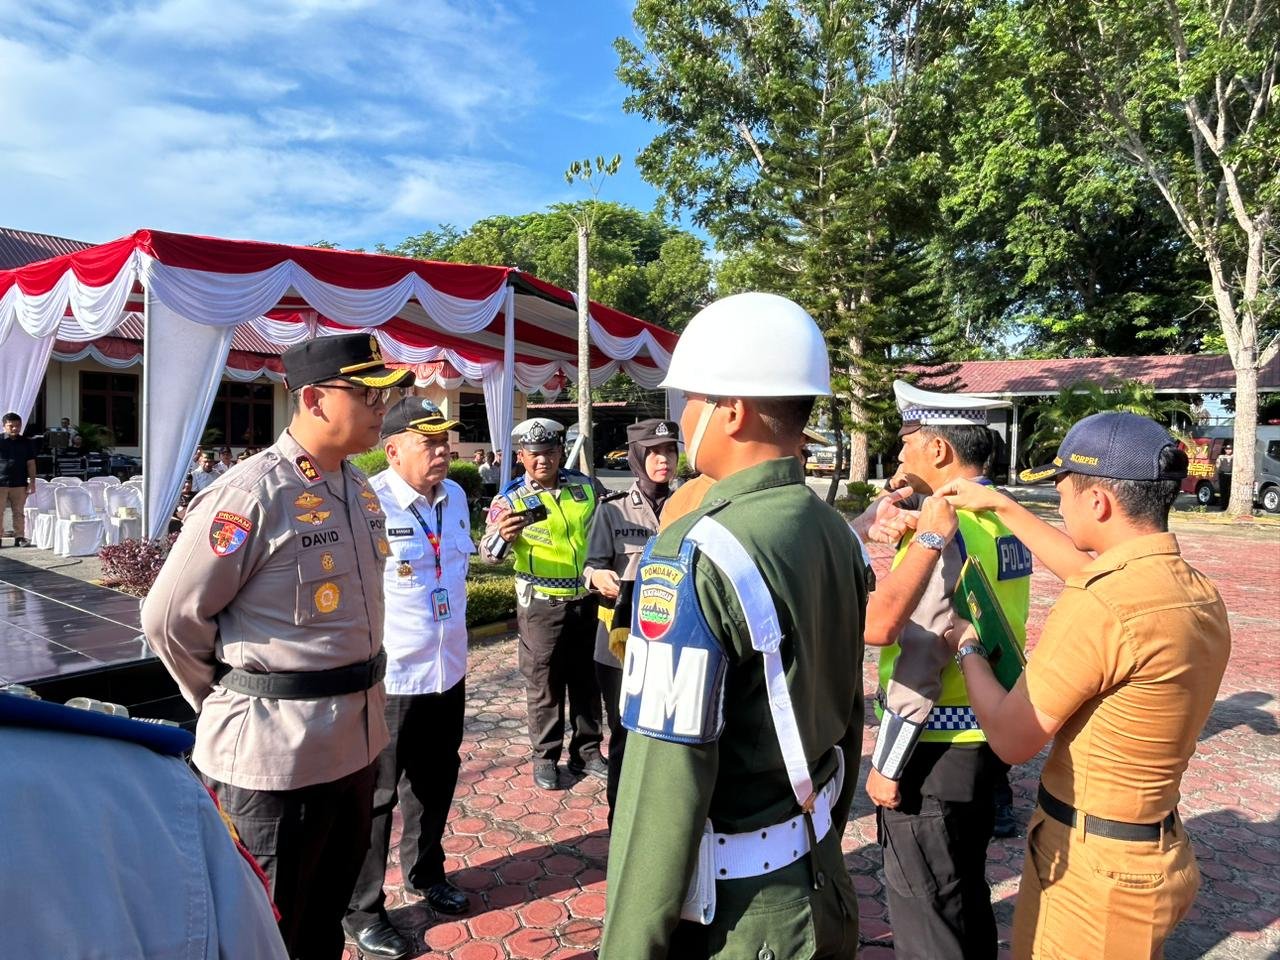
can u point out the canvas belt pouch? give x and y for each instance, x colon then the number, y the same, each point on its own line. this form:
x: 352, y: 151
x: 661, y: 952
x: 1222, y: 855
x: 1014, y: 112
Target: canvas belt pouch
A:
x: 723, y: 856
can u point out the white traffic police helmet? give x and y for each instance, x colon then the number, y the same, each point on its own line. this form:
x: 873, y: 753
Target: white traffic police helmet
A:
x: 751, y: 345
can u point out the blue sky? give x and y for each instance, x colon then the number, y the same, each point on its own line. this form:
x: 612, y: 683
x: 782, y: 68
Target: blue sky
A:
x: 355, y: 121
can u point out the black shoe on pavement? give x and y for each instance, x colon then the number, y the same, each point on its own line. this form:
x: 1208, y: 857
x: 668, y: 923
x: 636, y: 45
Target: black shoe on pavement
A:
x: 546, y: 775
x: 381, y: 939
x: 444, y: 897
x: 21, y: 542
x: 595, y: 767
x: 1006, y: 824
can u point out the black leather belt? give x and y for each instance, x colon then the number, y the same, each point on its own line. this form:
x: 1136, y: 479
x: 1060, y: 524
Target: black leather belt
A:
x: 1066, y: 814
x: 306, y: 684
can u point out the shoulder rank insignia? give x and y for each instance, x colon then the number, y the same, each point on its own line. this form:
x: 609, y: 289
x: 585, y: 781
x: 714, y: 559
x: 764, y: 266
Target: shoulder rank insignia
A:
x: 306, y: 469
x: 315, y: 517
x: 228, y: 532
x: 308, y: 501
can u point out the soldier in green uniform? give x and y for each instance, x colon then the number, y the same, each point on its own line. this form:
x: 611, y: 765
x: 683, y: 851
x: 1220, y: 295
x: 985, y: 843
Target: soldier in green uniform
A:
x: 742, y: 689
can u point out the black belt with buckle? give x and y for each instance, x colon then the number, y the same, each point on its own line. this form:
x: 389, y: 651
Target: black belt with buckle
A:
x: 1066, y: 814
x: 305, y: 684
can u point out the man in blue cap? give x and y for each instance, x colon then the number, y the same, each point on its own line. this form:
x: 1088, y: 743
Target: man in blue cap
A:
x: 1123, y: 679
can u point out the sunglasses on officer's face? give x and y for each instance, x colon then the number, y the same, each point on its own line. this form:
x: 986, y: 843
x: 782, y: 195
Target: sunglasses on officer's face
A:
x: 372, y: 395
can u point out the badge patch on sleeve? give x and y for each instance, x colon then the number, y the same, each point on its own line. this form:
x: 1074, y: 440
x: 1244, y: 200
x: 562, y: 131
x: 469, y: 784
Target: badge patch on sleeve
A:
x: 657, y: 610
x: 228, y: 533
x: 1014, y: 557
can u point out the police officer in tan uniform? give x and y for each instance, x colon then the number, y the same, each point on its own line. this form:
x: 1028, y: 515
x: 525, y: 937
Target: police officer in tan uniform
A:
x: 619, y: 531
x: 269, y: 614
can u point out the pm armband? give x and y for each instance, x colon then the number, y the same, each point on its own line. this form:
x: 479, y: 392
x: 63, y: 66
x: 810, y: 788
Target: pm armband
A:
x: 894, y: 744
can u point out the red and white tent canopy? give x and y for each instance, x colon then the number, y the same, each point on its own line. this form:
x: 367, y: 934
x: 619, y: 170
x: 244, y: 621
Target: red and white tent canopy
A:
x: 493, y: 326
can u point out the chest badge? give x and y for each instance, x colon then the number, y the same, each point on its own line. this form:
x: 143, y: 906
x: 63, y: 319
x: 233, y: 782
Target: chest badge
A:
x: 384, y: 548
x: 307, y: 501
x: 306, y: 469
x: 315, y: 517
x: 228, y: 533
x: 327, y: 563
x: 373, y: 506
x: 327, y: 597
x: 405, y: 569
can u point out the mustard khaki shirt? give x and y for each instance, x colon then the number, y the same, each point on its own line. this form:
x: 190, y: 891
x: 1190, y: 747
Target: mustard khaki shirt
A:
x: 1131, y: 659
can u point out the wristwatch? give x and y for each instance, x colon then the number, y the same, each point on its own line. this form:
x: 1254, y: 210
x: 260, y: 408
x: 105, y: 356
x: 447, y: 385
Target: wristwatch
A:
x: 931, y: 540
x: 967, y: 649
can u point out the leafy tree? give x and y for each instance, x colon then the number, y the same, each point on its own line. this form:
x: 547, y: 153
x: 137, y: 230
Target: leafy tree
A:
x: 1184, y: 92
x: 796, y: 134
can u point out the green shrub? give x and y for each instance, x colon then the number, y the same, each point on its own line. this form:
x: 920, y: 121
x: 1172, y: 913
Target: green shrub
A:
x: 682, y: 467
x: 466, y: 475
x: 490, y: 600
x: 858, y: 496
x: 371, y: 461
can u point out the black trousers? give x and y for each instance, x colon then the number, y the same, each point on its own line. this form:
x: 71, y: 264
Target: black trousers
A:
x: 557, y: 653
x: 610, y: 679
x: 935, y: 855
x: 419, y: 769
x: 310, y: 843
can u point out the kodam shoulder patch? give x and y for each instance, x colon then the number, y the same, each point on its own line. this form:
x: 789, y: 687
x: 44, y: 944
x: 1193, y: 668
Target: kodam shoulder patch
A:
x: 674, y: 670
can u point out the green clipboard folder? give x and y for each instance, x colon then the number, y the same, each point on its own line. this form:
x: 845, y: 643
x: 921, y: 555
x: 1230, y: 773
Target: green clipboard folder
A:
x: 975, y: 600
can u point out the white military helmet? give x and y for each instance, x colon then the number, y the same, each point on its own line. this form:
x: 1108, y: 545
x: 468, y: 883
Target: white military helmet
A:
x: 751, y: 345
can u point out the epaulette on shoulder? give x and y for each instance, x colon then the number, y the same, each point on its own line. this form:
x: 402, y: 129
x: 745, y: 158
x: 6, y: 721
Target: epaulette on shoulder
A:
x: 573, y: 476
x: 512, y: 485
x: 669, y: 540
x: 248, y: 475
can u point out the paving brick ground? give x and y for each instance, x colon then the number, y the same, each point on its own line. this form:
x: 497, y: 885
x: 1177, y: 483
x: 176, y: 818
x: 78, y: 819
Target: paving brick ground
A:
x: 533, y: 863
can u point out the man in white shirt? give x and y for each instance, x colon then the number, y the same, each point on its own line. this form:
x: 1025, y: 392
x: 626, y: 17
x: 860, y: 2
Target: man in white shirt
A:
x: 424, y: 580
x: 207, y: 472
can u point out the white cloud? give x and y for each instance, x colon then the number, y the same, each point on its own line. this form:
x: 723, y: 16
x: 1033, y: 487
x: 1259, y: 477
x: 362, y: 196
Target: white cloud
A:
x: 288, y: 120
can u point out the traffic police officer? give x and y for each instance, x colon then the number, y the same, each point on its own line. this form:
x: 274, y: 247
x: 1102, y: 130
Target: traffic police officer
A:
x: 112, y: 848
x: 742, y: 689
x: 555, y: 612
x: 424, y: 581
x: 619, y: 532
x: 268, y: 613
x: 933, y: 775
x: 1123, y: 679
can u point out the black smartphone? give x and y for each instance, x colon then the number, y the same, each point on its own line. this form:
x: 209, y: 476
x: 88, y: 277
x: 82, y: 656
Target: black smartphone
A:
x: 535, y: 511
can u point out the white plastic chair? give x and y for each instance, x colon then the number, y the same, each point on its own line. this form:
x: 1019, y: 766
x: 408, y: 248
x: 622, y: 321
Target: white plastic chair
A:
x: 40, y: 526
x: 124, y: 513
x: 77, y: 532
x: 110, y: 481
x: 65, y: 481
x: 31, y: 508
x: 98, y: 493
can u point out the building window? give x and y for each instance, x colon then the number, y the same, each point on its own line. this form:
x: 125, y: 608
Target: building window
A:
x: 473, y: 421
x: 111, y: 400
x: 242, y: 415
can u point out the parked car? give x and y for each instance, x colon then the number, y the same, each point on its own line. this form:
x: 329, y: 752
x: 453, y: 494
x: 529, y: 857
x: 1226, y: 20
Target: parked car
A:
x: 1202, y: 468
x: 615, y: 459
x: 822, y: 452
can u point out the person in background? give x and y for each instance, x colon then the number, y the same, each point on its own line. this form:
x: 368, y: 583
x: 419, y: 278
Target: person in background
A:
x: 555, y: 611
x: 488, y: 476
x: 17, y: 475
x: 1123, y: 679
x: 1223, y: 469
x: 226, y: 460
x: 205, y: 473
x: 268, y: 612
x: 619, y: 531
x: 424, y: 580
x: 184, y: 501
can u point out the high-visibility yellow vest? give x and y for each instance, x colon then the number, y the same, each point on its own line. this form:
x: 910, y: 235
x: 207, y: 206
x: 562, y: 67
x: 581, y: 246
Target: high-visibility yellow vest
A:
x: 552, y: 553
x: 1007, y: 563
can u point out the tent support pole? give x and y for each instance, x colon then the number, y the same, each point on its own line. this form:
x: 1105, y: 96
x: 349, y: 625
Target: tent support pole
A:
x: 509, y: 378
x: 1013, y: 445
x: 145, y: 448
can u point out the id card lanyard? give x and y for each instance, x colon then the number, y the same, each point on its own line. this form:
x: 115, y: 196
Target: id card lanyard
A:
x: 433, y: 537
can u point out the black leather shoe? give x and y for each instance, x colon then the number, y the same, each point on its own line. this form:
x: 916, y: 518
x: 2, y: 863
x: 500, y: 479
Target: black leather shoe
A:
x: 545, y: 774
x: 1006, y: 824
x: 21, y: 542
x: 380, y: 939
x: 444, y: 897
x: 595, y: 767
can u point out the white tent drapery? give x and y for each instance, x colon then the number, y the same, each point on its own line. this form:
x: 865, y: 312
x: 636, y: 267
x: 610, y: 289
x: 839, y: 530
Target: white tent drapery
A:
x: 493, y: 325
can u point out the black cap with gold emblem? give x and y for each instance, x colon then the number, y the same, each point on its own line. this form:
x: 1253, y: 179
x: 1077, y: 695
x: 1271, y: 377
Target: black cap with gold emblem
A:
x: 653, y: 433
x: 416, y: 415
x: 354, y: 357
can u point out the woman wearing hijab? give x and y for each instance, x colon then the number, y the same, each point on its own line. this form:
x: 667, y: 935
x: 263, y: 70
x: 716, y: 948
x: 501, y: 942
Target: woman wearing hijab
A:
x: 619, y: 532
